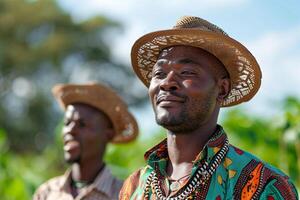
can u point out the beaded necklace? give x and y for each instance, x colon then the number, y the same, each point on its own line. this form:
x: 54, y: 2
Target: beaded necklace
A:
x: 200, y: 177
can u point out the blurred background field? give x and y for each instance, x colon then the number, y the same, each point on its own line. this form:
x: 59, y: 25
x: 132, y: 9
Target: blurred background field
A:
x: 44, y: 42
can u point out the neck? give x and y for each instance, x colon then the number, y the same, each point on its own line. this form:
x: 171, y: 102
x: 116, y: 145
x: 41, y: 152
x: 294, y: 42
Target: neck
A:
x: 184, y: 147
x: 86, y: 171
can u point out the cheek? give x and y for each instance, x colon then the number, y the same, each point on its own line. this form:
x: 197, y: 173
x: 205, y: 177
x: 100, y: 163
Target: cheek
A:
x: 152, y: 90
x: 93, y: 142
x: 188, y: 83
x: 95, y: 136
x: 193, y: 88
x: 87, y: 136
x: 198, y: 89
x: 203, y: 84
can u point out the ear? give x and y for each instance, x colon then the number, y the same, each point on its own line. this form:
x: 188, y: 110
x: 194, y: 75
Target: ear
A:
x: 224, y: 88
x: 110, y: 133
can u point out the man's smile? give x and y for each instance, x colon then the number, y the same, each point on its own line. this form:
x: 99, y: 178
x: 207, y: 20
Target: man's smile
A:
x: 70, y: 143
x: 168, y: 99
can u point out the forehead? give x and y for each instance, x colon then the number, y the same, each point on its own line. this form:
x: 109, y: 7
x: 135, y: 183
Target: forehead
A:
x: 178, y: 53
x: 79, y: 110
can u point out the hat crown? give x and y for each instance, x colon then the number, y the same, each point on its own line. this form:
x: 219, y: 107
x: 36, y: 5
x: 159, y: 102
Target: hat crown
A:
x: 197, y: 23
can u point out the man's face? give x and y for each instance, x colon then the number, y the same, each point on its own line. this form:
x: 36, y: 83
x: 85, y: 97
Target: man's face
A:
x: 85, y: 133
x: 183, y: 88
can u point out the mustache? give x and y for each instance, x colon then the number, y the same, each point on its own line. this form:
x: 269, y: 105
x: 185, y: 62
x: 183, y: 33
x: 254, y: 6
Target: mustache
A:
x: 170, y: 95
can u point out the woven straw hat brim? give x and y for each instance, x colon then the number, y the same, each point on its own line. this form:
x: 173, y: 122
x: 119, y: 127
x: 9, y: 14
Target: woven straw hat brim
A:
x: 104, y: 99
x: 244, y: 71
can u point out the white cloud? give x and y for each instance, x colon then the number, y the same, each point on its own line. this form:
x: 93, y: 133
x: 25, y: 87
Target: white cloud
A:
x: 278, y: 55
x: 152, y: 8
x: 140, y: 17
x: 275, y: 44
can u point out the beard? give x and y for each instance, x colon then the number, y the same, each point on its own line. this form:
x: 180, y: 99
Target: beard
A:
x: 189, y: 118
x: 72, y: 161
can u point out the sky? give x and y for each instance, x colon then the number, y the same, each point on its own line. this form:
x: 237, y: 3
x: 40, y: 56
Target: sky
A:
x: 270, y: 29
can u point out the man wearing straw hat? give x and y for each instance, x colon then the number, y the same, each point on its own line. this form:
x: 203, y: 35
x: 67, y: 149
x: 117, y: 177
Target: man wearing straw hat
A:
x: 192, y: 70
x: 94, y: 116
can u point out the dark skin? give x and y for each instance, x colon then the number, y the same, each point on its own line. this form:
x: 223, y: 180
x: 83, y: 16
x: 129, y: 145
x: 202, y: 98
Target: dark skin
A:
x: 86, y: 133
x: 187, y: 87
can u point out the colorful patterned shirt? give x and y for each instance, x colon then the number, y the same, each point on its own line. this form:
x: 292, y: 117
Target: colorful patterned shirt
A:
x: 105, y: 187
x: 240, y: 175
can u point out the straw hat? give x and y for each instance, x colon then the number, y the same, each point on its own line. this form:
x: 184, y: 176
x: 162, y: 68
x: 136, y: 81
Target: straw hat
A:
x: 104, y: 99
x: 243, y: 69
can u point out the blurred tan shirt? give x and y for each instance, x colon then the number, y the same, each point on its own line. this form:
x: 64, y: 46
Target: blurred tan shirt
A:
x: 105, y: 187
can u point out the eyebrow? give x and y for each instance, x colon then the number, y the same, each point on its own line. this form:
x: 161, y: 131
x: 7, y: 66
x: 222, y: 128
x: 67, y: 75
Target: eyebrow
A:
x: 180, y: 61
x: 186, y: 61
x: 160, y: 62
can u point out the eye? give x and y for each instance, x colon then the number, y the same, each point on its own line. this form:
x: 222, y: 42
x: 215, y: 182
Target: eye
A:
x: 158, y: 74
x: 81, y: 124
x: 188, y: 72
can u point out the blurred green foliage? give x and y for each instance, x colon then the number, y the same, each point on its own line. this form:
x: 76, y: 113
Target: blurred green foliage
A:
x: 41, y: 45
x: 274, y: 139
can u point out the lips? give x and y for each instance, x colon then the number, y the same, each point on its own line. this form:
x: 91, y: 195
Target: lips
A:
x: 70, y: 143
x: 168, y: 99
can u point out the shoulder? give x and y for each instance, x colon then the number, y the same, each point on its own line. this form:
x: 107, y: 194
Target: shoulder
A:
x: 263, y: 179
x: 279, y: 185
x: 245, y: 161
x: 106, y: 183
x: 241, y: 162
x: 54, y: 184
x: 117, y: 183
x: 132, y: 183
x: 115, y: 186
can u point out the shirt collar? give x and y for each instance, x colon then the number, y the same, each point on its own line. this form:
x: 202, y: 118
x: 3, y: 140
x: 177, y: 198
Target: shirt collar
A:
x: 159, y: 153
x: 103, y: 182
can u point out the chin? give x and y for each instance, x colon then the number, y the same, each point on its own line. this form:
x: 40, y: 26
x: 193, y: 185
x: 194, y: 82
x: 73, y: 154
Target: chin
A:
x: 162, y: 114
x: 167, y: 121
x: 72, y: 159
x: 179, y: 124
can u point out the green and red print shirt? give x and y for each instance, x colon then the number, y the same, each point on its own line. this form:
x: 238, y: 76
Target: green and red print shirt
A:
x: 239, y: 176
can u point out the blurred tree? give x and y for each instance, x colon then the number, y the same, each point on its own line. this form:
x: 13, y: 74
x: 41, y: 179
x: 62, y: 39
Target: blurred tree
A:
x: 41, y: 45
x: 275, y: 140
x: 21, y: 174
x: 290, y: 142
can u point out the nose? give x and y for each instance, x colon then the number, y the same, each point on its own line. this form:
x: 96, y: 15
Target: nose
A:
x: 169, y: 83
